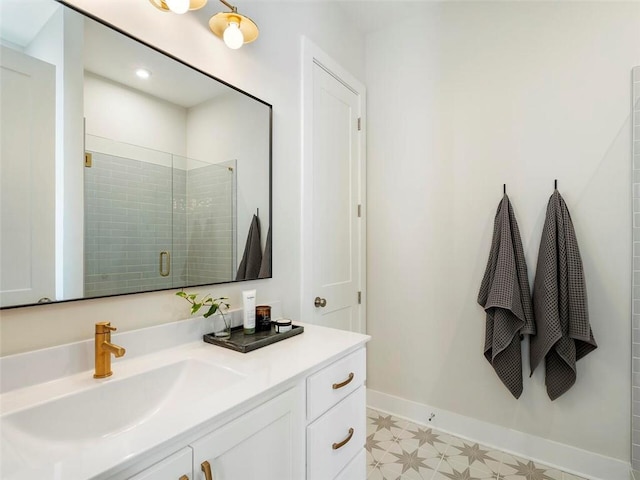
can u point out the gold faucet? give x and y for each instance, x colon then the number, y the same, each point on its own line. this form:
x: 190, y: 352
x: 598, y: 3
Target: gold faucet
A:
x: 104, y: 349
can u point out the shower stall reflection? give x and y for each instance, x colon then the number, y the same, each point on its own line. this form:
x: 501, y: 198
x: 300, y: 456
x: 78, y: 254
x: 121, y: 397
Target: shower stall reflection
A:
x: 155, y: 220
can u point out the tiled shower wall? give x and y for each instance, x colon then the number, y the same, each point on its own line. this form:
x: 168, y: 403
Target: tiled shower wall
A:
x: 180, y: 244
x: 207, y: 213
x: 135, y: 210
x: 635, y: 448
x: 127, y: 225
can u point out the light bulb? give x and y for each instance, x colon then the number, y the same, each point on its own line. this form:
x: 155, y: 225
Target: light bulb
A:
x: 178, y: 6
x: 233, y: 36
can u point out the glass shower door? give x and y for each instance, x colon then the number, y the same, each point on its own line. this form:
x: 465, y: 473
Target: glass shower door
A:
x: 128, y: 207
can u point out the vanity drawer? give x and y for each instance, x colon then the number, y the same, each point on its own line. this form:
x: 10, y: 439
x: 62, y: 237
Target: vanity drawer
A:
x: 335, y: 382
x: 337, y: 437
x: 357, y: 468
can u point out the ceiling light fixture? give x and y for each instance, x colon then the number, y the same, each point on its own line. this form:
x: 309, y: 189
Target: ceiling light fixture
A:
x: 235, y: 29
x: 143, y: 73
x: 178, y: 6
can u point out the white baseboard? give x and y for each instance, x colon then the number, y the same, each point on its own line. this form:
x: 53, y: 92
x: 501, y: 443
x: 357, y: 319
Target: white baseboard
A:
x: 558, y: 455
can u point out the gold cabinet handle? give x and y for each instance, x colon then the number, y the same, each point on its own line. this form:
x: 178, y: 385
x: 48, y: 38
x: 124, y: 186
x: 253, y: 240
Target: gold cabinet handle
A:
x: 341, y: 444
x: 164, y: 254
x: 336, y: 386
x: 206, y: 468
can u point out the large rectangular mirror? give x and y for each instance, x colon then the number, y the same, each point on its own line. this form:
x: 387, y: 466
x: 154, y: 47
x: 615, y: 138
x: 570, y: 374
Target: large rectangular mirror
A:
x: 122, y: 169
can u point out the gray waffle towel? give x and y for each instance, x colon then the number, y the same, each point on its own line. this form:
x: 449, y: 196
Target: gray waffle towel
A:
x: 252, y: 258
x: 506, y: 298
x: 560, y: 302
x: 265, y: 267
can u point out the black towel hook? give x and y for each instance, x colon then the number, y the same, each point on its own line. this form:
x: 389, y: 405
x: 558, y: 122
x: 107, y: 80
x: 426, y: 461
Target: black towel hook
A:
x: 555, y: 184
x: 504, y: 188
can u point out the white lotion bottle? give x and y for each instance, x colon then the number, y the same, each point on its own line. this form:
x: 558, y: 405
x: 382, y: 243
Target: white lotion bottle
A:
x: 249, y: 310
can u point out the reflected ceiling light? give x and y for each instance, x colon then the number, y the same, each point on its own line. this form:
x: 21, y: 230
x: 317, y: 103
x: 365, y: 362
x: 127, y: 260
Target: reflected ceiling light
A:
x: 178, y: 6
x: 235, y: 29
x: 143, y: 73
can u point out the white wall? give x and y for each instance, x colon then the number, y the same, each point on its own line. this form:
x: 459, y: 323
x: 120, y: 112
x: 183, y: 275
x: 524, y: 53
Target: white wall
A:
x: 233, y: 126
x: 269, y: 69
x: 123, y: 114
x: 466, y: 97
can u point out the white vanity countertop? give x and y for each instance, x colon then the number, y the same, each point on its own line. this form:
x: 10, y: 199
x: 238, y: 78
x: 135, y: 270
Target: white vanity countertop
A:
x: 256, y: 374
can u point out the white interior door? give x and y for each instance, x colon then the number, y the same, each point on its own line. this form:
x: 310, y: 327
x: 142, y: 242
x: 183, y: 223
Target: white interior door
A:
x: 333, y: 245
x: 27, y: 179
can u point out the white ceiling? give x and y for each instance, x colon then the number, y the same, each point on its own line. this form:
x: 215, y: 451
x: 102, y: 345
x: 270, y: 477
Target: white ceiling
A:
x: 368, y: 16
x: 116, y: 57
x: 372, y: 15
x: 21, y: 20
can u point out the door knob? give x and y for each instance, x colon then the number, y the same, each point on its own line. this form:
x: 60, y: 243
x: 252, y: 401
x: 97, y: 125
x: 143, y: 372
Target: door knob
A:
x: 320, y: 302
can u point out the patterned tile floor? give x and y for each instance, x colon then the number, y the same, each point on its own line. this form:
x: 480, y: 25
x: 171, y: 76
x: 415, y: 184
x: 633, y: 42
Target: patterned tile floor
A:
x: 400, y: 450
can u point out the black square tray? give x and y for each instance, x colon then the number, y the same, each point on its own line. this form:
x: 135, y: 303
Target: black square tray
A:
x: 240, y: 342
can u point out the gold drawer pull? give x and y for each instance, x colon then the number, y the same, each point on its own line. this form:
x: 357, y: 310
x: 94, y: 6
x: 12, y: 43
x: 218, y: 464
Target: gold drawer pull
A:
x: 336, y: 446
x: 206, y: 468
x: 336, y: 386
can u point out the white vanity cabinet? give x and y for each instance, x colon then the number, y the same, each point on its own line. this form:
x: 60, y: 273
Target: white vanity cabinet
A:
x: 279, y: 440
x: 265, y: 443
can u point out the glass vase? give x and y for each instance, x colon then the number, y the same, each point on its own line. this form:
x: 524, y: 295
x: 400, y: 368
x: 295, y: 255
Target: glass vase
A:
x: 221, y: 326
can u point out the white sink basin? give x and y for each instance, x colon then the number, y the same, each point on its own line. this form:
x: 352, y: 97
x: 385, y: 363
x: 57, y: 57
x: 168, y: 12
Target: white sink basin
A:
x: 116, y: 405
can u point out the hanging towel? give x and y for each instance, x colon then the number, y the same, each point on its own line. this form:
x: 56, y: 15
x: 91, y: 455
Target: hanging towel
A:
x: 265, y: 268
x: 560, y: 302
x: 252, y: 256
x: 506, y: 298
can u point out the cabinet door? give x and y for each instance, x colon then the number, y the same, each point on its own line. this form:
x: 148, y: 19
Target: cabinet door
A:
x: 178, y: 466
x: 265, y: 443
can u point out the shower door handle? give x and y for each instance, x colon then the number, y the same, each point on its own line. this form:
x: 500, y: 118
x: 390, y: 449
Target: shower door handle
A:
x: 165, y: 255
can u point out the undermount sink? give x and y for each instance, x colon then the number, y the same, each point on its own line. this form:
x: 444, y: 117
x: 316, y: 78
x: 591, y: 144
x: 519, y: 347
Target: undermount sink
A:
x: 118, y: 405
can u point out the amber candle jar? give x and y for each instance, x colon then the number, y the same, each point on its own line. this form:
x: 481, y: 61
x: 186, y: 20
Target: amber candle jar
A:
x: 263, y: 318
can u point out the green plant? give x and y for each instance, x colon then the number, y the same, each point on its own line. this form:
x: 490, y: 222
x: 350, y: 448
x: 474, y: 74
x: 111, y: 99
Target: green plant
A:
x: 214, y: 304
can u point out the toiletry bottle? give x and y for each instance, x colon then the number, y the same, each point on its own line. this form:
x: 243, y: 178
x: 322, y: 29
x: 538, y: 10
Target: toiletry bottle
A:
x: 263, y: 318
x: 249, y: 310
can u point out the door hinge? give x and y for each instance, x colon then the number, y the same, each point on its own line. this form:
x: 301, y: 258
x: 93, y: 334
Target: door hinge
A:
x: 359, y: 123
x: 88, y: 160
x: 359, y: 298
x: 359, y: 210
